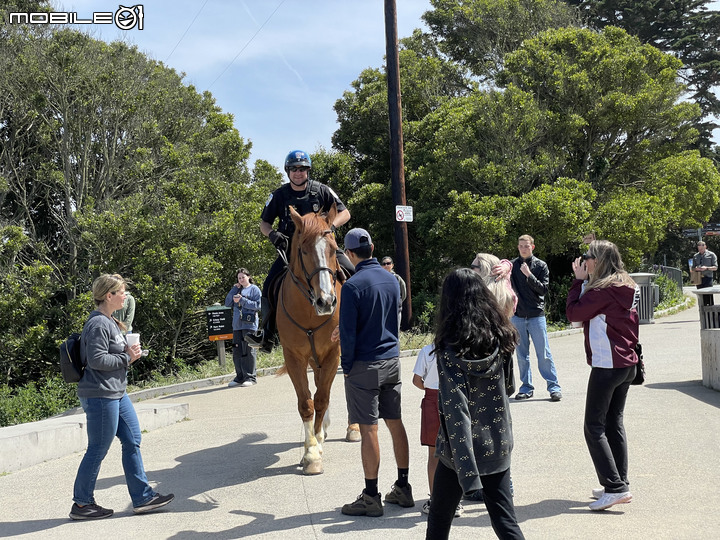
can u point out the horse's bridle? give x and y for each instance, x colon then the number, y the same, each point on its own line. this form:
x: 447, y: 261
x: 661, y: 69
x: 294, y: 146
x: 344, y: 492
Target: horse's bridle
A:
x: 309, y: 294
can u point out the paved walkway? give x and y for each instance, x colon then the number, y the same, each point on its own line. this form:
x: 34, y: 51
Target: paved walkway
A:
x: 233, y: 464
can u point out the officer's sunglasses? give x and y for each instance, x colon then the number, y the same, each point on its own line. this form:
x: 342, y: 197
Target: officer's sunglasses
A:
x: 296, y: 169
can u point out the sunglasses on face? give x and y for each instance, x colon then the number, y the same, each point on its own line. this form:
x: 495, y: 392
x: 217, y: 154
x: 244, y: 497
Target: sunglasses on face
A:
x: 586, y: 256
x: 296, y: 169
x: 386, y: 263
x: 475, y: 266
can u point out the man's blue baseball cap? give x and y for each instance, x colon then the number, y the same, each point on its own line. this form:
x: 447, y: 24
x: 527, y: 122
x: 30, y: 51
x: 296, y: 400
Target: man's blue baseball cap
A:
x: 356, y: 238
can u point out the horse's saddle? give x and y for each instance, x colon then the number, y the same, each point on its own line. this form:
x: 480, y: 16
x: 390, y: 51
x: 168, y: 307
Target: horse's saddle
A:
x: 274, y: 288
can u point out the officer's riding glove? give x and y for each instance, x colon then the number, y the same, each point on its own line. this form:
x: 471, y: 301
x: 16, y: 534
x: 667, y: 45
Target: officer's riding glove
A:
x: 278, y: 239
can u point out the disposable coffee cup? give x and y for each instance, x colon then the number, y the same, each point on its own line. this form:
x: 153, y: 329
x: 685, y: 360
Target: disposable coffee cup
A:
x: 132, y: 339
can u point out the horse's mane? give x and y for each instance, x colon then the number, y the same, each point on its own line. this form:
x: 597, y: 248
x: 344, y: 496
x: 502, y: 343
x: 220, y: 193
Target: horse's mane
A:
x: 314, y: 225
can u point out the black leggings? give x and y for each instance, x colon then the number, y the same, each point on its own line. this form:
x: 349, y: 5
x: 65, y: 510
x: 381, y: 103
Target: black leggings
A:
x: 604, y: 428
x: 447, y: 494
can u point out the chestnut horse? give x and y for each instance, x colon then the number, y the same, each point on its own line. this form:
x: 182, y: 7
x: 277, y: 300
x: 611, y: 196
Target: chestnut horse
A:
x: 307, y: 314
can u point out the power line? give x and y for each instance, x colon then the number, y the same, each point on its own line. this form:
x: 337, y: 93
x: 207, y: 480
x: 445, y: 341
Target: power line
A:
x: 186, y: 31
x: 246, y: 44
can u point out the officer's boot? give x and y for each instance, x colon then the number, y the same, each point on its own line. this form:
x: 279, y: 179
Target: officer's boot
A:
x: 265, y: 338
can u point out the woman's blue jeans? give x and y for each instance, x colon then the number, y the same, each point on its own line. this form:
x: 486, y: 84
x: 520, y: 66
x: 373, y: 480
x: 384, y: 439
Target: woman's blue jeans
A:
x: 107, y: 419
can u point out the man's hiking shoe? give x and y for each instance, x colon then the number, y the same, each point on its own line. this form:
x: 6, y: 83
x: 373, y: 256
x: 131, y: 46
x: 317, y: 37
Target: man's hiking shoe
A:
x: 476, y: 496
x: 400, y: 495
x: 153, y: 504
x: 89, y: 511
x: 364, y: 505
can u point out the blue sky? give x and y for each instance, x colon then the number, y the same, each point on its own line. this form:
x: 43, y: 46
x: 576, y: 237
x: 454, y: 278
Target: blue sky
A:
x: 277, y: 66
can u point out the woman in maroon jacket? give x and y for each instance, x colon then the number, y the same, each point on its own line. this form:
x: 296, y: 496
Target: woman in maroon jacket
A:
x: 604, y: 297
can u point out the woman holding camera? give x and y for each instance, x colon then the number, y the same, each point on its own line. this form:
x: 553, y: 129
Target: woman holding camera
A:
x: 108, y: 409
x: 244, y: 298
x: 604, y: 298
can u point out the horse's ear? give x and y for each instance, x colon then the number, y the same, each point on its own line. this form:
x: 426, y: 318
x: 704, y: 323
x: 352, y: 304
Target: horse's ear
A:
x: 330, y: 218
x: 297, y: 219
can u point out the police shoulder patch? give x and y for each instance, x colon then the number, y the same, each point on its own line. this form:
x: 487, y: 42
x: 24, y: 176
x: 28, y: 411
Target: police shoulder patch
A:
x: 269, y: 199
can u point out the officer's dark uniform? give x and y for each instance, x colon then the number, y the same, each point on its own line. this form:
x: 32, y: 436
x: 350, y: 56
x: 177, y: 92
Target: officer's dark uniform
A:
x: 315, y: 198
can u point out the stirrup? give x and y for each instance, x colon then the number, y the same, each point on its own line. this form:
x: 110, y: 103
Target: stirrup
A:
x: 256, y: 340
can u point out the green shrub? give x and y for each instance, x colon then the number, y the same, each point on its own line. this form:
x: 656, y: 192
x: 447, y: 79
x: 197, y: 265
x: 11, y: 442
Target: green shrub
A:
x: 670, y: 293
x: 36, y: 401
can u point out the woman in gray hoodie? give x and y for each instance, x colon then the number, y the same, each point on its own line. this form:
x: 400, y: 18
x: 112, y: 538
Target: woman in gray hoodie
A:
x: 474, y: 343
x: 108, y: 409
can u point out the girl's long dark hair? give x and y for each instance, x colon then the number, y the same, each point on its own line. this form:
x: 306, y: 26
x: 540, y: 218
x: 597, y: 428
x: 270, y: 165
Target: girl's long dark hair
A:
x: 470, y: 321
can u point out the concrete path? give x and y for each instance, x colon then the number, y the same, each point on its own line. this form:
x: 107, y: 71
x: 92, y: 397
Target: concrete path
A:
x: 233, y: 464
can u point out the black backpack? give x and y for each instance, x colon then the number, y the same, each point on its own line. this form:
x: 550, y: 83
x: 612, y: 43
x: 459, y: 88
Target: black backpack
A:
x: 71, y: 365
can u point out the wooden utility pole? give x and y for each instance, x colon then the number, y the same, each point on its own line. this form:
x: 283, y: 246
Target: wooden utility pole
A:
x: 397, y: 162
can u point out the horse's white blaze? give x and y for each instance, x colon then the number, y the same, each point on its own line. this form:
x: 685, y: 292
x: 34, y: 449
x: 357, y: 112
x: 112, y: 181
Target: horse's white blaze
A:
x: 326, y: 284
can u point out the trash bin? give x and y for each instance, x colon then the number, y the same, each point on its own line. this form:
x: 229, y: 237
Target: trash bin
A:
x: 709, y: 336
x: 649, y: 296
x: 709, y: 311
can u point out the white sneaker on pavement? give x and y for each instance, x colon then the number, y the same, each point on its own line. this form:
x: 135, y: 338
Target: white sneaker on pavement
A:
x: 459, y: 510
x: 610, y: 499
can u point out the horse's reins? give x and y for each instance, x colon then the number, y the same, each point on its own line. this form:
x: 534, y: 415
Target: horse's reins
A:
x: 308, y: 294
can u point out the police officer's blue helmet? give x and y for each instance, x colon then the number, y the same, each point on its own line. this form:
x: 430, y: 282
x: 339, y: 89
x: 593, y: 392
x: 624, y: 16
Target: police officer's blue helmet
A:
x: 297, y: 158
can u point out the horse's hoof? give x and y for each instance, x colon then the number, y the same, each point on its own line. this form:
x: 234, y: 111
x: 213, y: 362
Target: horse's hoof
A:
x: 352, y: 435
x: 314, y: 467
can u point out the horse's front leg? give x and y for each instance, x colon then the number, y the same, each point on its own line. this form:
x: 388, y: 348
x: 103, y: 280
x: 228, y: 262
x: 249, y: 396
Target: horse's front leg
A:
x: 297, y: 370
x: 324, y: 378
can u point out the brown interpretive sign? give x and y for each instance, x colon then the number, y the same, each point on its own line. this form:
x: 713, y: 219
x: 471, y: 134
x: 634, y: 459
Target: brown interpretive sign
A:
x: 219, y: 323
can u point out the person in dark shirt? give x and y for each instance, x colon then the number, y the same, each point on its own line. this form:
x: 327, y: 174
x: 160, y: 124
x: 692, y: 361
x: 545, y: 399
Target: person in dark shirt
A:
x: 369, y: 328
x: 530, y: 279
x: 306, y: 196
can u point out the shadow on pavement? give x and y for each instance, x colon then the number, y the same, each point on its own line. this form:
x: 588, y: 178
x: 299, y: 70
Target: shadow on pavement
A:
x: 332, y: 522
x: 694, y: 389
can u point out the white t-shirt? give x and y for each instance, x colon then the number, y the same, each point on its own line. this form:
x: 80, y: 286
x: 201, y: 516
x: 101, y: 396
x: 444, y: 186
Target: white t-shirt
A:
x: 426, y: 367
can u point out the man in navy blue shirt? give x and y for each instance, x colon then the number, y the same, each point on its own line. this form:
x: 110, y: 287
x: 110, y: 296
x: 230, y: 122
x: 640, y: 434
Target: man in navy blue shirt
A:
x: 369, y: 328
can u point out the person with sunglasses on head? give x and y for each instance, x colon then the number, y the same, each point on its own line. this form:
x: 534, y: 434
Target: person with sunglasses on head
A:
x: 604, y: 298
x: 305, y: 195
x: 109, y: 413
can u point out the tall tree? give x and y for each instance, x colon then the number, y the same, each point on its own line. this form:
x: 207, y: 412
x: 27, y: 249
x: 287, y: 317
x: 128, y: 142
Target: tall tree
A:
x: 686, y: 28
x: 110, y: 163
x: 479, y: 33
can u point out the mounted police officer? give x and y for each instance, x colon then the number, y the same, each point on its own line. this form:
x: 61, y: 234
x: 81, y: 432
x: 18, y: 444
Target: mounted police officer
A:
x: 306, y: 196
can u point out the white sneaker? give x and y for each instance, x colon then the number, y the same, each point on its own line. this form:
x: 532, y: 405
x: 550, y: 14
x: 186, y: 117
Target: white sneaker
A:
x: 459, y: 510
x: 233, y: 383
x: 597, y: 493
x: 426, y: 507
x: 245, y: 384
x: 610, y: 499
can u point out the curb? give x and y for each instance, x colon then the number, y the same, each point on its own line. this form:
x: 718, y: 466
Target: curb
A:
x: 25, y: 445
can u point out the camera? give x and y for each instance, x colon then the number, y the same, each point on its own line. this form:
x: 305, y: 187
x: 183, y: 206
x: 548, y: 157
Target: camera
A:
x: 586, y: 256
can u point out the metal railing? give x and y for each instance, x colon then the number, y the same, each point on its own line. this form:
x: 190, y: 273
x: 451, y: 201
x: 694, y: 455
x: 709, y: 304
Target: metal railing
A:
x: 674, y: 274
